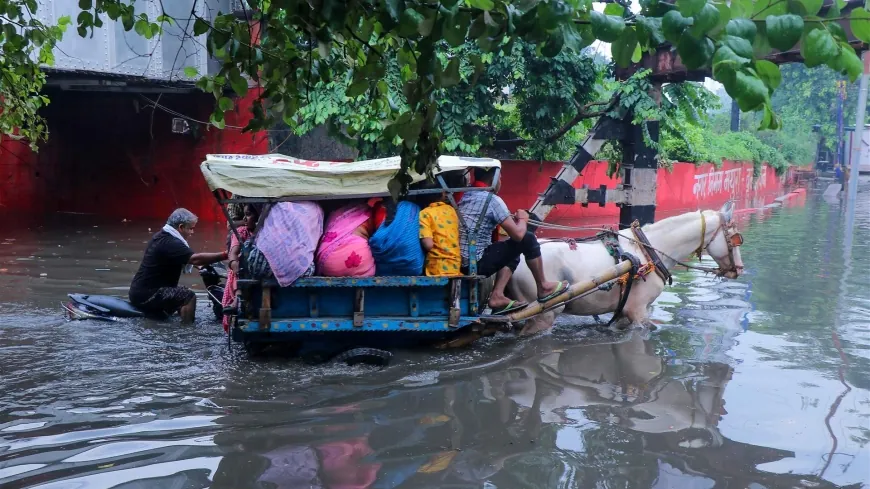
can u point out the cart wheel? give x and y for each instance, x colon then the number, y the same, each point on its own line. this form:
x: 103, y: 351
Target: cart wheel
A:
x: 368, y: 356
x: 255, y: 349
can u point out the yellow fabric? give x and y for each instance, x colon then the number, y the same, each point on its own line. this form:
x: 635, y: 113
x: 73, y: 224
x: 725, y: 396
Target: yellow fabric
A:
x: 438, y: 462
x: 440, y: 222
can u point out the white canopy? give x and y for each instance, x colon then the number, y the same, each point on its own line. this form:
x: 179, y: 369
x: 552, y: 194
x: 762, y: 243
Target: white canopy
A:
x: 275, y: 176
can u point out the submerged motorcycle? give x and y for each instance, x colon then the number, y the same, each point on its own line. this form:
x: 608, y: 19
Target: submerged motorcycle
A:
x: 111, y: 308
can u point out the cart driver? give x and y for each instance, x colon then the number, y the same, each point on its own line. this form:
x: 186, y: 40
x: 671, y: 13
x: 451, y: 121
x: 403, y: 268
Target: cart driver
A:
x: 155, y: 288
x: 502, y: 257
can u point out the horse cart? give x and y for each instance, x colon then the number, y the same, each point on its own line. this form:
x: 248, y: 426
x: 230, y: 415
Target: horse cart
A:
x: 360, y: 319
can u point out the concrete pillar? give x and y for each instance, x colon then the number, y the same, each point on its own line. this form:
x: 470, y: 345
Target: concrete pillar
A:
x: 639, y: 173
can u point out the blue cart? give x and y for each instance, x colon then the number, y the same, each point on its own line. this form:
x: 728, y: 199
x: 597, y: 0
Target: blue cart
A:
x: 356, y: 319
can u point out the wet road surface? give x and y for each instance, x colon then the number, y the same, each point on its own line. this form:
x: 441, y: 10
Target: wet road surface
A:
x: 760, y: 382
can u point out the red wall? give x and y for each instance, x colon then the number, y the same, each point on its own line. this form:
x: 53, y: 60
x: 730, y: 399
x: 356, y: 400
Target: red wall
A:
x: 110, y: 154
x: 106, y: 157
x: 678, y: 189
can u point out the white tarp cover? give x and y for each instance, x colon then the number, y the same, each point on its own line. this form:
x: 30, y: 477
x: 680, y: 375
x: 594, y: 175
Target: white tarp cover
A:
x: 274, y: 176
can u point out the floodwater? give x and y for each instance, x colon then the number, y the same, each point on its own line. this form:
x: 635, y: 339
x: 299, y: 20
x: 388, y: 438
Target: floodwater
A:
x: 759, y: 382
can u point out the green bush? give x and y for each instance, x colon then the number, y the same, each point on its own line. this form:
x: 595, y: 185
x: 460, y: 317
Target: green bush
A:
x: 697, y: 144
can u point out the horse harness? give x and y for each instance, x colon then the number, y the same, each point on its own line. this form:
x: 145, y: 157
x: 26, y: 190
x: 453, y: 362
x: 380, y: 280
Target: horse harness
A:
x: 638, y: 271
x: 734, y: 240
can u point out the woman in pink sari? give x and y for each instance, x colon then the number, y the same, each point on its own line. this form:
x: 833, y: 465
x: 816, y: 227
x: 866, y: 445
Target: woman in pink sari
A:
x: 246, y: 232
x: 344, y: 249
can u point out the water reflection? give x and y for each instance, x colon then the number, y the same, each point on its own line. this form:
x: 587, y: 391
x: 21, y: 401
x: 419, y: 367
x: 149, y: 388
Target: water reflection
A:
x: 761, y: 382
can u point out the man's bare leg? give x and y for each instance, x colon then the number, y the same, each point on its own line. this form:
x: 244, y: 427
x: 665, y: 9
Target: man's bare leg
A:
x: 497, y: 299
x: 536, y: 266
x: 188, y: 311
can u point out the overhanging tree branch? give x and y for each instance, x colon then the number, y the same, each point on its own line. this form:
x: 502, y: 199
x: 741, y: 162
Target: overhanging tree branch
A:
x: 581, y: 115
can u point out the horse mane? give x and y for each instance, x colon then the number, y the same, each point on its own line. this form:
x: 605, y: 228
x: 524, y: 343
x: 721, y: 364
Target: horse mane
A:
x: 670, y: 221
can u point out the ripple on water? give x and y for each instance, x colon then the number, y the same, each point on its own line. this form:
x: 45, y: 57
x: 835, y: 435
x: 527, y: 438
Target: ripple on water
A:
x: 737, y: 386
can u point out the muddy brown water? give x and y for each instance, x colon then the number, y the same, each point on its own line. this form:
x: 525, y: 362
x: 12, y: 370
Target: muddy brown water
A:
x: 759, y: 382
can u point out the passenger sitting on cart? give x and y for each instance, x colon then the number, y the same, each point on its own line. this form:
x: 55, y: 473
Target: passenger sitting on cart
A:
x: 344, y: 249
x: 284, y: 245
x: 155, y: 288
x: 439, y: 237
x: 482, y: 212
x: 250, y: 216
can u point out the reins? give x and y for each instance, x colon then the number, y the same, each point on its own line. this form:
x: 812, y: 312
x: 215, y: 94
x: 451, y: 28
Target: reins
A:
x: 717, y: 271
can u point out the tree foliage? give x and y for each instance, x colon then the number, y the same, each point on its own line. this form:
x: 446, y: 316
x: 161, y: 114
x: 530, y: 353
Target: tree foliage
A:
x: 306, y: 43
x: 809, y: 96
x: 25, y: 43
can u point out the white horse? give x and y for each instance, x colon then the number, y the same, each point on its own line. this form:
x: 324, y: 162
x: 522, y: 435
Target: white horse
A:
x: 676, y: 239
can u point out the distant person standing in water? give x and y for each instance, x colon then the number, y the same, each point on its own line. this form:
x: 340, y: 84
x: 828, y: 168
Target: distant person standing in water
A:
x: 155, y: 288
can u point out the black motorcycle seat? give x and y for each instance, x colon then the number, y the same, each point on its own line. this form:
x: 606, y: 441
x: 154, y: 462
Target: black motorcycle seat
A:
x: 108, y: 305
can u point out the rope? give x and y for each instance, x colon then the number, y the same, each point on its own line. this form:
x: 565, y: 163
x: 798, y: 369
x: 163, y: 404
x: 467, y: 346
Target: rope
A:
x: 560, y: 227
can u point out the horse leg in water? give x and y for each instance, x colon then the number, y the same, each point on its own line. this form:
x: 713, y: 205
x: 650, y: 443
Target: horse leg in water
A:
x: 642, y: 295
x: 541, y: 322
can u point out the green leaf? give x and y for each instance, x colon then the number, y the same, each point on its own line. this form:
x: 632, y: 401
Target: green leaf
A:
x: 86, y: 4
x: 837, y: 31
x: 450, y: 77
x: 705, y: 20
x: 724, y: 61
x: 455, y: 29
x: 770, y: 120
x: 649, y: 31
x: 481, y: 4
x: 846, y: 62
x: 690, y: 7
x: 744, y: 28
x: 554, y: 44
x: 761, y: 46
x: 143, y: 28
x: 784, y: 31
x: 859, y: 22
x: 127, y: 21
x: 357, y: 88
x: 695, y: 53
x: 427, y: 25
x: 673, y: 25
x: 724, y: 18
x: 739, y: 45
x: 607, y: 28
x: 615, y: 9
x: 637, y: 55
x: 409, y: 24
x: 395, y: 8
x: 623, y: 48
x: 811, y: 7
x: 217, y: 120
x: 190, y: 71
x: 741, y: 8
x: 751, y: 93
x: 764, y: 8
x: 769, y: 73
x: 85, y: 19
x: 818, y: 47
x: 410, y: 132
x: 200, y: 27
x: 238, y: 83
x: 225, y: 104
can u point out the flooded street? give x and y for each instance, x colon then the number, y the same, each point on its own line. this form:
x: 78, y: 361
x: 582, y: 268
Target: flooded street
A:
x: 759, y: 382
